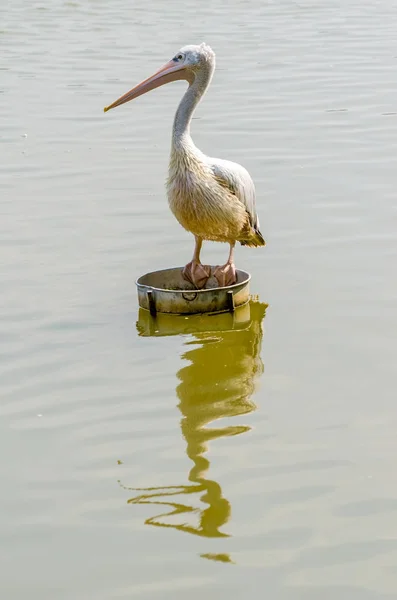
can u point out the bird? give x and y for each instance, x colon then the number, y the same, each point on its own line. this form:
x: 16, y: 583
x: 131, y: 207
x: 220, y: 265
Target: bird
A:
x: 212, y: 198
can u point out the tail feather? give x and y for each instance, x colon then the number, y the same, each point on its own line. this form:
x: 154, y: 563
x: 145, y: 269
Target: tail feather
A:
x: 256, y: 239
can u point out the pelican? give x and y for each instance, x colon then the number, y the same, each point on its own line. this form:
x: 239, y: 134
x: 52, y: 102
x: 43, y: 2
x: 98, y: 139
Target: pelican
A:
x: 213, y: 199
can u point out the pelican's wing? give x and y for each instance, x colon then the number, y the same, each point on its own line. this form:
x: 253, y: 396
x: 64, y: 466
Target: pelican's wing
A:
x: 238, y: 181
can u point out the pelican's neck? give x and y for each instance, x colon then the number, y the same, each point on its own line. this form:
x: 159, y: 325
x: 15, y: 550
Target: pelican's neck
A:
x: 181, y: 129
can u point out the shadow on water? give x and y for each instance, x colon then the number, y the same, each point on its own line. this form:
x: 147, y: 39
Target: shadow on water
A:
x: 217, y: 383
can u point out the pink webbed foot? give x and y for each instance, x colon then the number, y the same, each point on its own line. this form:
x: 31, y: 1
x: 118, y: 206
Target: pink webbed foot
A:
x: 197, y: 274
x: 226, y: 275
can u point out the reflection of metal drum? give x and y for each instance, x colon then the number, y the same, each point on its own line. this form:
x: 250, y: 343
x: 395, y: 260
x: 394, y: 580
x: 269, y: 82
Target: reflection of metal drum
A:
x: 205, y: 323
x: 168, y: 292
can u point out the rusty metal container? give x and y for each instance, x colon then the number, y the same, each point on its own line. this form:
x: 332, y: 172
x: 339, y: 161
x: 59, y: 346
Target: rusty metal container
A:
x: 167, y: 291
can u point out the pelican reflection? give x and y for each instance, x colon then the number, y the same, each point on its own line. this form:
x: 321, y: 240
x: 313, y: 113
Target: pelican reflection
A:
x: 223, y: 363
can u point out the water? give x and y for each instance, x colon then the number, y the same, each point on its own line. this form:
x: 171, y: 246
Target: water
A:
x: 191, y: 463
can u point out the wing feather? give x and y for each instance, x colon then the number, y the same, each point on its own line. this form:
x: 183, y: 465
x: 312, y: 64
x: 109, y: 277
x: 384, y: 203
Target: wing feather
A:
x: 238, y: 181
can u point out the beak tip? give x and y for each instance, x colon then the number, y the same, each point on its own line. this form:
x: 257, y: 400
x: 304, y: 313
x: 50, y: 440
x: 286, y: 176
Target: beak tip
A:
x: 106, y: 109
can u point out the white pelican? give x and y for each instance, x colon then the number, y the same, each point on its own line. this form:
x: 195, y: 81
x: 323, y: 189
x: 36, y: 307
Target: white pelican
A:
x: 214, y: 199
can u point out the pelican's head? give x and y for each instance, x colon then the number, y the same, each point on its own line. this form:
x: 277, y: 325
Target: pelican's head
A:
x: 187, y: 64
x: 195, y: 58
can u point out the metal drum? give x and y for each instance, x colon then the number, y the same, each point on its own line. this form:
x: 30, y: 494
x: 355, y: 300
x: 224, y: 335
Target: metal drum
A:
x: 167, y: 291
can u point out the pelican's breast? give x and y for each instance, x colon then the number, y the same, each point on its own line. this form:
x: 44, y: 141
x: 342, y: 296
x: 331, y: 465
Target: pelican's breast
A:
x: 200, y: 204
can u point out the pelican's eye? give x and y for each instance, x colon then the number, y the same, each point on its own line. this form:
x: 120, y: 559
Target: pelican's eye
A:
x: 178, y: 57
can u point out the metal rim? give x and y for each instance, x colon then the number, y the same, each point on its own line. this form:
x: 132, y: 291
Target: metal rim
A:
x: 229, y: 287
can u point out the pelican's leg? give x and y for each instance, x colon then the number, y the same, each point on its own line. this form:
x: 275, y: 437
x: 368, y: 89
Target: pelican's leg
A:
x: 195, y: 272
x: 226, y: 275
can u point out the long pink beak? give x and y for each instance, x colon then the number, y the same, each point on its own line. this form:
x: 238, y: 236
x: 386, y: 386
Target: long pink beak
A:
x: 169, y: 72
